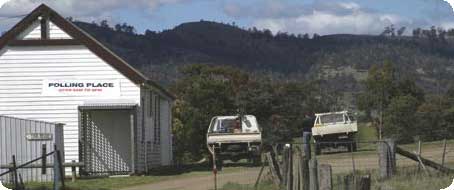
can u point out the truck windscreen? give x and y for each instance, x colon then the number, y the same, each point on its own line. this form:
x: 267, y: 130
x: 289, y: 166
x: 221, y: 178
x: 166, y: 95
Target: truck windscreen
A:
x: 332, y: 118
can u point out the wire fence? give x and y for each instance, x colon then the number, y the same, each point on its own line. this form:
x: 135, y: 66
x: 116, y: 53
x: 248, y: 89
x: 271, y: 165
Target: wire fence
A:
x: 347, y: 166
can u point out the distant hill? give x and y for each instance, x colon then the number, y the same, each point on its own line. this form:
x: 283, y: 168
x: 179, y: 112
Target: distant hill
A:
x: 339, y: 61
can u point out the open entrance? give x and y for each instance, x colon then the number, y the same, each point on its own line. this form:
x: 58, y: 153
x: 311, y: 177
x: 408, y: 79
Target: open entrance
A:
x: 107, y: 140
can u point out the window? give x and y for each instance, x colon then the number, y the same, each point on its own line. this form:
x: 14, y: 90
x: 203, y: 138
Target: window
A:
x: 332, y: 118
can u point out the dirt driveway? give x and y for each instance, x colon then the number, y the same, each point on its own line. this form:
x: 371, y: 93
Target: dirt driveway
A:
x: 206, y: 182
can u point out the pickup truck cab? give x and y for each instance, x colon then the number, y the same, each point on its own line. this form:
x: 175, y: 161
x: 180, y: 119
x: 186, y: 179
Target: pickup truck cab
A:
x: 334, y: 129
x: 234, y: 138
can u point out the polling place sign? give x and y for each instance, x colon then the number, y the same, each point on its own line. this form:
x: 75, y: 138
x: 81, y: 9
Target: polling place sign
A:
x: 106, y: 88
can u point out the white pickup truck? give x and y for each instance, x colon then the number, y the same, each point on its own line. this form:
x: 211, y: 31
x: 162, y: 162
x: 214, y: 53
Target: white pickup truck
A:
x: 334, y: 129
x: 234, y: 138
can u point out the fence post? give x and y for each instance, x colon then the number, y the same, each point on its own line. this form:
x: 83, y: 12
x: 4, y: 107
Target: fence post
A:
x: 60, y: 166
x: 289, y: 168
x: 444, y: 153
x: 16, y: 182
x: 305, y: 161
x: 387, y: 158
x: 73, y: 171
x: 325, y: 177
x: 43, y: 159
x: 347, y: 182
x: 56, y: 171
x: 274, y: 168
x: 284, y: 165
x: 419, y: 154
x: 313, y: 172
x: 307, y: 144
x: 364, y: 183
x: 295, y: 169
x: 392, y: 156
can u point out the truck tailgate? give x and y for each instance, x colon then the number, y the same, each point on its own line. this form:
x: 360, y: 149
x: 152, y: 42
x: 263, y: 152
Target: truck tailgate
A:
x: 234, y: 138
x: 334, y: 129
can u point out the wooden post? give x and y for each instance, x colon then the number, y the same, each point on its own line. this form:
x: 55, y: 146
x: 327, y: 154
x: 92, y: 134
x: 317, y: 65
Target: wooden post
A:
x: 16, y: 182
x: 325, y: 177
x: 289, y: 168
x: 43, y: 159
x: 73, y: 171
x: 60, y: 168
x: 274, y: 168
x: 295, y: 169
x: 383, y: 159
x: 305, y: 173
x: 307, y: 145
x: 387, y: 158
x: 392, y: 152
x: 353, y: 163
x: 313, y: 173
x: 347, y: 182
x: 56, y: 171
x: 305, y: 162
x: 419, y: 154
x: 444, y: 153
x: 364, y: 183
x: 285, y: 164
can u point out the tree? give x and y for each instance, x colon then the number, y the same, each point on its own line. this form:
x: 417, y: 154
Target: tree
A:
x: 203, y: 92
x: 417, y: 32
x: 401, y: 31
x: 379, y: 89
x: 400, y: 118
x: 408, y: 87
x: 104, y: 24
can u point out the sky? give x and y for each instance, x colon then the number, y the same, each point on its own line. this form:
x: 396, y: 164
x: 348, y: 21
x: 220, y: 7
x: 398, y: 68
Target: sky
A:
x: 293, y: 16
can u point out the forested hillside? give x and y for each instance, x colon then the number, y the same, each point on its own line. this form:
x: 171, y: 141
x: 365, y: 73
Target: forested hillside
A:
x: 339, y: 62
x: 395, y: 82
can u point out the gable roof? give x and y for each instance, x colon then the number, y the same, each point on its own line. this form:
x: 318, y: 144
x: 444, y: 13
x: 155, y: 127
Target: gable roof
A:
x: 83, y: 38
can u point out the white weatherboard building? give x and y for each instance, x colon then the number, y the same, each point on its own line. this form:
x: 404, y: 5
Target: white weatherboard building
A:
x: 116, y: 121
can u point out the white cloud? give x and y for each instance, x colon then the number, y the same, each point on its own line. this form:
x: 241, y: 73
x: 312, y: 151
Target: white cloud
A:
x: 345, y: 16
x: 86, y: 10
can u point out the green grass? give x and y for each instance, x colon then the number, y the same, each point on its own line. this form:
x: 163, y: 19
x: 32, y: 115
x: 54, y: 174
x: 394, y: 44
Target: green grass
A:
x: 410, y: 179
x: 366, y: 133
x: 267, y: 185
x: 115, y: 183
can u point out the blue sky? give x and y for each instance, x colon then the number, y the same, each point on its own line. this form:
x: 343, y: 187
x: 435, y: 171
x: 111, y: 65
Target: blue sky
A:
x: 293, y: 16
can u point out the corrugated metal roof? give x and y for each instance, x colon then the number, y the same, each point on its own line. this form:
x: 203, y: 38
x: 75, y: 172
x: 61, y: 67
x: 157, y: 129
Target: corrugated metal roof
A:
x: 107, y: 106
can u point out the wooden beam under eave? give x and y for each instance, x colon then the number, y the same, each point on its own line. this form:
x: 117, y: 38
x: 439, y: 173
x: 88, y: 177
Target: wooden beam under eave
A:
x: 56, y: 42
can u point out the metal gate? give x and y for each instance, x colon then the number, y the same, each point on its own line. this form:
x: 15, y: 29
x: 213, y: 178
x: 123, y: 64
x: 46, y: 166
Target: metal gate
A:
x: 100, y: 154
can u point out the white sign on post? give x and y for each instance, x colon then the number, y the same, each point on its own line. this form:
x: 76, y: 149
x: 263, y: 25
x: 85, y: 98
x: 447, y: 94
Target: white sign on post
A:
x: 108, y: 88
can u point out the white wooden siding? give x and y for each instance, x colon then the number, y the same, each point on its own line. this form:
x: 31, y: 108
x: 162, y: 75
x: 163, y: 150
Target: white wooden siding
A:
x: 34, y: 32
x: 56, y: 32
x: 166, y: 132
x: 22, y: 70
